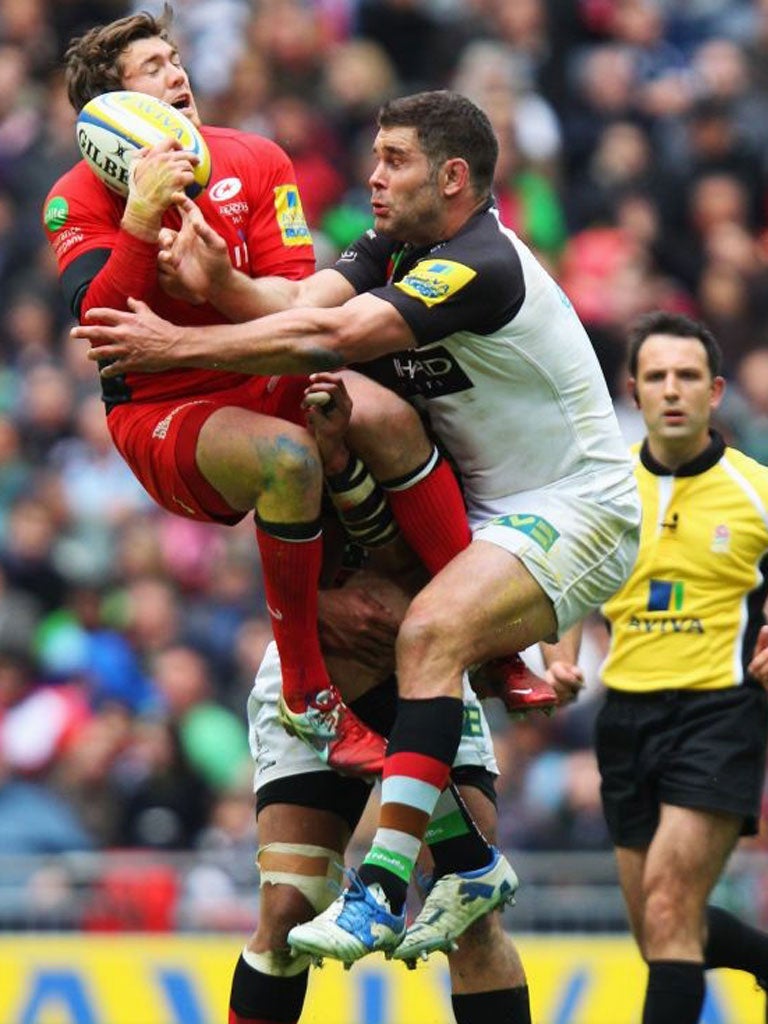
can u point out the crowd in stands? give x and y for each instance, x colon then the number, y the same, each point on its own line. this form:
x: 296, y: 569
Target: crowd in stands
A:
x: 634, y: 161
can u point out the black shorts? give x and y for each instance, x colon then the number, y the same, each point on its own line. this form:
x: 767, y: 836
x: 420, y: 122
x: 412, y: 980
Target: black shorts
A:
x: 347, y: 797
x: 704, y: 750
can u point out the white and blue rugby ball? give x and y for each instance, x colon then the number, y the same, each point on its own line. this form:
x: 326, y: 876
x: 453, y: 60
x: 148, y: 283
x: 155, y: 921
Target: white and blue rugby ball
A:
x: 112, y: 127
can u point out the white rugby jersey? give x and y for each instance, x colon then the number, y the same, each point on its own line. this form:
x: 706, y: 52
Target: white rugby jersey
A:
x: 503, y: 365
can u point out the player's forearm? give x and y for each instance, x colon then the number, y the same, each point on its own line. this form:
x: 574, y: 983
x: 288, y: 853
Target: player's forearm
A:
x: 242, y: 298
x: 566, y: 649
x: 293, y: 342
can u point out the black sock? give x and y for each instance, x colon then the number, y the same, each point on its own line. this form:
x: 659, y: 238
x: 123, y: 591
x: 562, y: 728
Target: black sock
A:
x: 455, y: 841
x: 675, y: 992
x: 502, y: 1006
x: 268, y: 997
x: 732, y: 943
x: 395, y: 889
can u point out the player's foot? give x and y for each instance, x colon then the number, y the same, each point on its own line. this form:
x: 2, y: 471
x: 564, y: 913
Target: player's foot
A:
x: 520, y: 689
x: 456, y: 901
x: 335, y: 733
x: 358, y: 922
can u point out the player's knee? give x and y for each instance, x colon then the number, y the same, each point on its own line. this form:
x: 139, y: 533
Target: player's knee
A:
x: 297, y: 881
x: 290, y: 464
x: 426, y: 633
x: 665, y: 914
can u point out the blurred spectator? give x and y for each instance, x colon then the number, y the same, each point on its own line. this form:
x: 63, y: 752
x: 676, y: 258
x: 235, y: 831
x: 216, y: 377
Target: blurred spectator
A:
x: 498, y: 79
x: 292, y: 36
x: 604, y: 91
x: 163, y: 802
x: 309, y: 142
x: 27, y: 554
x: 211, y: 34
x: 213, y: 739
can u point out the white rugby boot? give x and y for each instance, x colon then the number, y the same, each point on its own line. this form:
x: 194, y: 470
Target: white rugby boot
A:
x: 456, y: 901
x: 357, y: 923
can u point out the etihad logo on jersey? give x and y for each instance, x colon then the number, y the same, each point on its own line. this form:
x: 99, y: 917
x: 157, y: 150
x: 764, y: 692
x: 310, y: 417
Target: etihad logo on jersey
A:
x: 434, y: 281
x: 538, y: 529
x: 290, y: 216
x: 665, y: 595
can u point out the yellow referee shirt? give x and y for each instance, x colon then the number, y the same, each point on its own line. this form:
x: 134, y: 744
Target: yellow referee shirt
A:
x: 689, y: 615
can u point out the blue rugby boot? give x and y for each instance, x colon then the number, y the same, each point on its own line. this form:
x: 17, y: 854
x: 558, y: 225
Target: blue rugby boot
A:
x: 357, y: 923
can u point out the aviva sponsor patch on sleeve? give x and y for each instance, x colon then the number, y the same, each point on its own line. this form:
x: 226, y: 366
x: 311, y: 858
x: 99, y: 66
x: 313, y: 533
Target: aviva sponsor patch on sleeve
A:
x: 434, y: 281
x: 290, y: 216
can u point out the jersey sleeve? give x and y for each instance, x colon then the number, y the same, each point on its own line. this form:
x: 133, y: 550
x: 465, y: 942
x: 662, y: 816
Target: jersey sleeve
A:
x: 367, y: 263
x: 459, y: 288
x: 278, y: 238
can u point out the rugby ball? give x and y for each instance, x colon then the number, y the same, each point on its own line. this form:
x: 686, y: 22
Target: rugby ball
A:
x: 112, y: 127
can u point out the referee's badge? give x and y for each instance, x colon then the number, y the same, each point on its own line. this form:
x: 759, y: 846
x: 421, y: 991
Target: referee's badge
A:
x: 721, y: 540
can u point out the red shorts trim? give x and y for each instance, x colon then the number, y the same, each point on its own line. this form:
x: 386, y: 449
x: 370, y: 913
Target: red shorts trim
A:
x: 158, y: 440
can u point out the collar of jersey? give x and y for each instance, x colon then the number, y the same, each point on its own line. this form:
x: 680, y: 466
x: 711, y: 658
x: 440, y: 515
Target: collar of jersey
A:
x: 708, y: 458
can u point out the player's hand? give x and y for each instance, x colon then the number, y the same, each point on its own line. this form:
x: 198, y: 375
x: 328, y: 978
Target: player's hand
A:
x: 137, y: 339
x: 156, y: 181
x: 758, y: 666
x: 329, y: 410
x: 353, y: 623
x: 566, y: 679
x: 193, y: 263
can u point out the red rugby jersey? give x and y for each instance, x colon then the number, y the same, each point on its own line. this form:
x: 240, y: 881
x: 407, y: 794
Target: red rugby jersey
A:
x: 251, y: 201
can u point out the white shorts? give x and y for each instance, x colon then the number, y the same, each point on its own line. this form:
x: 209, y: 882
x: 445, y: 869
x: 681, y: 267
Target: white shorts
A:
x: 277, y: 755
x: 577, y: 538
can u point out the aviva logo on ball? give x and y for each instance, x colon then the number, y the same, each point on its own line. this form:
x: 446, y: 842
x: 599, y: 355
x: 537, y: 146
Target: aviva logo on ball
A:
x: 112, y: 127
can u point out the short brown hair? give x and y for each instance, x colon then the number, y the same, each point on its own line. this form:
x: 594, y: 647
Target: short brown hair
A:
x: 93, y: 60
x: 448, y: 125
x: 676, y: 325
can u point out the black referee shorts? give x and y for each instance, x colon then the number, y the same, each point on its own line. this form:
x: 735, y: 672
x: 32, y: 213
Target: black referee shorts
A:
x: 704, y: 750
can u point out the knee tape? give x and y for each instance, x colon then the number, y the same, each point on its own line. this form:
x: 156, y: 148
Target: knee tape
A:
x: 279, y: 963
x: 314, y: 870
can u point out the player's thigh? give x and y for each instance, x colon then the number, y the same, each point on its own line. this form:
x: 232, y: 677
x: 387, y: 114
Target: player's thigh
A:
x: 484, y: 603
x: 385, y: 430
x: 251, y: 458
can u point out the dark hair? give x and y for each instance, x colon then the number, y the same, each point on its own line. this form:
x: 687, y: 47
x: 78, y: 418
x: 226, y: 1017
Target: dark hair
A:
x: 448, y: 125
x: 678, y: 326
x: 92, y: 60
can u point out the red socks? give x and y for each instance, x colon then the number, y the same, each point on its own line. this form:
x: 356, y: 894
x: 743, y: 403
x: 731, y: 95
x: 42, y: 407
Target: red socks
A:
x: 291, y: 556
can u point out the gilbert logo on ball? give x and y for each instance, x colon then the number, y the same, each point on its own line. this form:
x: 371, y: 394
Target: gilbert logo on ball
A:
x: 112, y: 127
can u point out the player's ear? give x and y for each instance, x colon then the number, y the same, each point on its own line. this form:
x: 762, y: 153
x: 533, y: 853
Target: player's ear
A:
x: 632, y: 391
x: 455, y: 175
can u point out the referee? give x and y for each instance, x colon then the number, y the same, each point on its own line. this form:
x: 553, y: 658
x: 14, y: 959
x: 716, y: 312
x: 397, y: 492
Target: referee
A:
x: 681, y: 737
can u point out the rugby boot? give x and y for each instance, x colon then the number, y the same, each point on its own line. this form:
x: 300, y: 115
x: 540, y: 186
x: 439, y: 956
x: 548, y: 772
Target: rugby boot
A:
x: 519, y: 689
x: 336, y: 734
x: 358, y: 922
x: 454, y: 902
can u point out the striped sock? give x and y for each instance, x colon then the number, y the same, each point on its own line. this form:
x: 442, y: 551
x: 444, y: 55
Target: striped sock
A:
x: 417, y: 767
